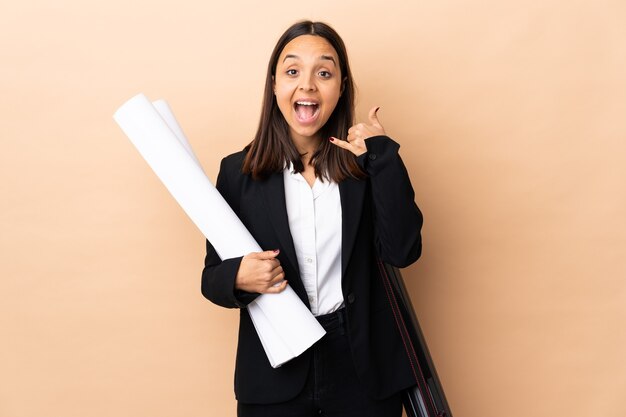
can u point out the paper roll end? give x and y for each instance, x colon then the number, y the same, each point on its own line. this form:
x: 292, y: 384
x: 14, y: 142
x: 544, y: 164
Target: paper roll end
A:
x: 141, y: 97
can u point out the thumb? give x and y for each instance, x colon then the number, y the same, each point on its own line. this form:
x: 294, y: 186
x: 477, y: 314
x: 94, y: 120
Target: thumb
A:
x: 373, y: 116
x: 268, y: 254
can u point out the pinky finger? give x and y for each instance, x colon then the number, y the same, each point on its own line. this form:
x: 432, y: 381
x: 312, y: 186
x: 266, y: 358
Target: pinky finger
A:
x: 277, y: 289
x: 341, y: 143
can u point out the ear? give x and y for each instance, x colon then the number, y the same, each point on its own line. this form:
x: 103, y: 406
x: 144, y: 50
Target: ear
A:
x: 274, y: 84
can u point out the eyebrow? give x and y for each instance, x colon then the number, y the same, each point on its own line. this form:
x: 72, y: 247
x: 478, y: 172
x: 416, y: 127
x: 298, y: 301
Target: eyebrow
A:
x: 324, y: 57
x: 329, y: 58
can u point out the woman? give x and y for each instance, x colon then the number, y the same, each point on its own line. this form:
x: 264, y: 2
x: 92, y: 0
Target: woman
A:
x: 329, y: 200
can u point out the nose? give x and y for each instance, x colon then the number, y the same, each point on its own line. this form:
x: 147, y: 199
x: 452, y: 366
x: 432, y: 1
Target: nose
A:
x: 307, y: 82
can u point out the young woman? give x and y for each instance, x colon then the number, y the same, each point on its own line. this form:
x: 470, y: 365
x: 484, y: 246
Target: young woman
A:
x: 329, y: 199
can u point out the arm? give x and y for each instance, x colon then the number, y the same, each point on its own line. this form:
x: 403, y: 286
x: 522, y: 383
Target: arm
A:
x: 397, y: 220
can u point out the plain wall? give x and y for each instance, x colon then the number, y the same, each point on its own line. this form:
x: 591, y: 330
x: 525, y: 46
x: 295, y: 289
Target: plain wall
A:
x: 511, y: 119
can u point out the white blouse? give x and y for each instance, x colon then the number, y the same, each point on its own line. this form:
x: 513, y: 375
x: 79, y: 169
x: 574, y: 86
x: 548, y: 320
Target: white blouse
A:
x: 315, y: 223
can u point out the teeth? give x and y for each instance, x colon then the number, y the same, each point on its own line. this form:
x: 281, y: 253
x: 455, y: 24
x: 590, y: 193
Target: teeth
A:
x: 305, y: 103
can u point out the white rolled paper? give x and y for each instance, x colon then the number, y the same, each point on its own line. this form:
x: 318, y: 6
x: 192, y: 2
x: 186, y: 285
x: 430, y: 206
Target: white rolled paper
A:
x: 166, y: 113
x: 284, y: 324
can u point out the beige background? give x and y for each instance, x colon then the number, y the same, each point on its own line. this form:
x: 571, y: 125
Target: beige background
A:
x: 511, y: 120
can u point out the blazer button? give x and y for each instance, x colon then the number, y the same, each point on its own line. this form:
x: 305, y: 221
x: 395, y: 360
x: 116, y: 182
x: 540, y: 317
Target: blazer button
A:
x: 351, y: 298
x: 372, y: 156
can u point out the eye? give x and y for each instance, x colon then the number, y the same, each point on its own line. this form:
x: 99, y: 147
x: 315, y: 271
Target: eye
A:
x: 292, y: 72
x: 325, y: 74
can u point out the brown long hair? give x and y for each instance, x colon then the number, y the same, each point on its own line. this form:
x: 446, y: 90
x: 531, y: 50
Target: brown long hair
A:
x: 272, y: 147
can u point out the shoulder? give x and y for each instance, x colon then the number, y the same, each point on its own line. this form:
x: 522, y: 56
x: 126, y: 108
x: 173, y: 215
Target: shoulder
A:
x: 230, y: 179
x: 231, y: 165
x: 234, y: 160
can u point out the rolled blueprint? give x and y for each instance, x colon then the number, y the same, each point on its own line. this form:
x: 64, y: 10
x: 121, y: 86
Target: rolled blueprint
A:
x: 166, y: 113
x: 284, y: 324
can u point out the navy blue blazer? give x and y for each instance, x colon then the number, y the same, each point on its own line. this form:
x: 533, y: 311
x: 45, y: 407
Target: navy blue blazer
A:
x: 380, y: 220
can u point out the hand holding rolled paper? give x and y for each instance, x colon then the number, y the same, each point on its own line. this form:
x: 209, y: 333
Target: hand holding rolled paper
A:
x: 261, y: 272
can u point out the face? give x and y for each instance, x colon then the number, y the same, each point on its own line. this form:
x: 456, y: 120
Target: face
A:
x: 307, y: 85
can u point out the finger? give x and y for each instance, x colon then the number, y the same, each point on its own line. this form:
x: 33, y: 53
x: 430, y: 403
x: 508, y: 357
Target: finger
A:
x: 277, y: 269
x: 268, y: 254
x: 276, y: 289
x: 277, y: 279
x: 271, y: 275
x: 272, y: 264
x: 342, y: 143
x: 354, y: 137
x: 373, y: 116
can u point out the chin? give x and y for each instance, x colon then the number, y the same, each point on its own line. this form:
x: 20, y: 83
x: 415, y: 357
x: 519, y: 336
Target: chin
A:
x: 307, y: 132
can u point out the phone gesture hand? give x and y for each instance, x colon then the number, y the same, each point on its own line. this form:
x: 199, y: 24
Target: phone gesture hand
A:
x: 359, y: 133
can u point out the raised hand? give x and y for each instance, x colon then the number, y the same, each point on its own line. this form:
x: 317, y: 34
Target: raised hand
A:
x: 358, y: 133
x: 260, y: 272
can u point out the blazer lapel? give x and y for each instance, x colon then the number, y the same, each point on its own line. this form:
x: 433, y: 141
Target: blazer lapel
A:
x: 351, y: 192
x: 274, y: 195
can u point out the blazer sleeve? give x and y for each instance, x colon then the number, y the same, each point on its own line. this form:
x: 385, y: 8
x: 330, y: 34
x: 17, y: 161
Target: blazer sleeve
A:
x: 397, y: 219
x: 218, y: 276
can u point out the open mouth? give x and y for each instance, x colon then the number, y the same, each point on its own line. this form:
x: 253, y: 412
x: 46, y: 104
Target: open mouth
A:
x: 306, y: 111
